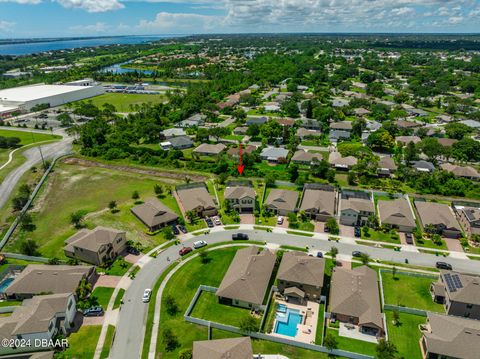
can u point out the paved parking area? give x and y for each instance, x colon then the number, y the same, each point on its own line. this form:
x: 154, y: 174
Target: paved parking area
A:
x: 347, y: 231
x: 109, y: 281
x: 247, y: 218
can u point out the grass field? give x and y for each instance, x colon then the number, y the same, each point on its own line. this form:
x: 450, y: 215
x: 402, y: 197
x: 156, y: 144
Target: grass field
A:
x: 27, y: 138
x: 409, y: 291
x: 73, y: 188
x: 82, y: 344
x: 390, y: 237
x: 103, y: 295
x: 122, y: 102
x: 119, y: 267
x: 118, y: 298
x: 406, y: 334
x: 352, y: 345
x: 108, y: 342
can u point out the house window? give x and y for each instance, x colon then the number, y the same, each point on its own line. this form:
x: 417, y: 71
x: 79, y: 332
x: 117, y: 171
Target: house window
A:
x: 70, y: 305
x: 469, y: 306
x: 119, y: 240
x: 50, y: 327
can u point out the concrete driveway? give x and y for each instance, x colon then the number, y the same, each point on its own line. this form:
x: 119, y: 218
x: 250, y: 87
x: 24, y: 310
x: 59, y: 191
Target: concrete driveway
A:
x: 347, y: 231
x: 109, y: 281
x: 247, y: 218
x: 453, y: 244
x: 319, y: 227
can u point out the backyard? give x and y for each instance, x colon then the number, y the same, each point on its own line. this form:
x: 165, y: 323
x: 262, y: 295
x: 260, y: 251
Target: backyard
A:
x: 352, y: 345
x: 406, y: 334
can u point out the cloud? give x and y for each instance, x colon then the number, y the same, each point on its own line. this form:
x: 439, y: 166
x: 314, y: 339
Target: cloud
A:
x: 99, y: 27
x: 180, y: 22
x: 403, y: 11
x: 88, y: 5
x: 6, y: 26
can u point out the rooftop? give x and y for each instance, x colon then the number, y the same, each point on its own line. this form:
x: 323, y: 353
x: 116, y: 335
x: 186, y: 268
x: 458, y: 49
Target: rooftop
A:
x: 34, y: 92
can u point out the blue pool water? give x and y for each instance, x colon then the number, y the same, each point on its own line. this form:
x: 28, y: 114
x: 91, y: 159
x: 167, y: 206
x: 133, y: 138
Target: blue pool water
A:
x: 282, y: 308
x: 5, y: 283
x: 287, y: 322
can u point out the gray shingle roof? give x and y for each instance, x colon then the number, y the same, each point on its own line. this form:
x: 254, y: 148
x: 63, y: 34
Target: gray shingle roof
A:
x: 231, y: 348
x: 298, y: 267
x: 396, y: 212
x: 153, y: 213
x: 92, y: 240
x: 282, y: 199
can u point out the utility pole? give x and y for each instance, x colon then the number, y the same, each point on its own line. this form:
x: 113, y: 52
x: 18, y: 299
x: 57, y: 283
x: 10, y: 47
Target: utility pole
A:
x: 39, y: 147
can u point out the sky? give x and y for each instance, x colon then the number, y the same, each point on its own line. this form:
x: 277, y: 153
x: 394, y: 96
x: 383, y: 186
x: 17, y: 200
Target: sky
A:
x: 64, y: 18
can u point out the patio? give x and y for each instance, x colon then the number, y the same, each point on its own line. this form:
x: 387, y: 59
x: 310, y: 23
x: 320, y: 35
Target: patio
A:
x: 353, y: 332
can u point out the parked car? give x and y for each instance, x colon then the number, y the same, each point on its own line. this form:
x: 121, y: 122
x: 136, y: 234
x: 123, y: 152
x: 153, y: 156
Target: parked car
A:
x: 409, y: 238
x: 280, y: 220
x: 209, y: 223
x: 239, y: 236
x: 133, y: 250
x: 216, y: 220
x: 175, y: 230
x: 358, y: 232
x: 326, y: 229
x: 356, y: 254
x: 185, y: 250
x: 147, y: 293
x: 443, y: 265
x: 199, y: 244
x: 319, y: 254
x: 182, y: 228
x: 93, y: 312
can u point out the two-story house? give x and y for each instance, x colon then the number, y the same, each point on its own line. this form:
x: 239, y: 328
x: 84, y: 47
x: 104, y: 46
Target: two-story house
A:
x: 355, y: 211
x: 241, y: 198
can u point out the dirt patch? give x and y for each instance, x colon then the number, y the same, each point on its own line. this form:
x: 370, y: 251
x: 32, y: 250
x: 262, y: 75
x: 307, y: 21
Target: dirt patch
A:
x: 162, y: 173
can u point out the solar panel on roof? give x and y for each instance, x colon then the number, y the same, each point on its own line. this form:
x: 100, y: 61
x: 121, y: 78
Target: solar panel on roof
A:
x: 450, y: 284
x: 456, y: 281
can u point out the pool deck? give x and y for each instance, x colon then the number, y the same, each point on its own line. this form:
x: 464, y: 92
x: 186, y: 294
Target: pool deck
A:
x: 306, y: 331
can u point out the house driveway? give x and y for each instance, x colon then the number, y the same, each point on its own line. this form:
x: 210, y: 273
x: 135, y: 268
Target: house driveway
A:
x: 453, y: 244
x: 347, y: 231
x: 247, y: 218
x: 93, y: 320
x: 131, y: 258
x: 319, y: 227
x: 109, y: 281
x: 284, y: 224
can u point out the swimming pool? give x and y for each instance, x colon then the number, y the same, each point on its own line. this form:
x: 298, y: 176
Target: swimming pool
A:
x: 287, y: 322
x: 5, y: 283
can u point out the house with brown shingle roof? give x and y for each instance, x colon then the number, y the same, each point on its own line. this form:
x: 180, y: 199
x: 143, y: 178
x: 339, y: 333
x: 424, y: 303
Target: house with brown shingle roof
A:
x: 281, y: 201
x: 446, y: 142
x: 355, y: 211
x: 206, y: 149
x: 319, y: 204
x: 355, y: 299
x: 304, y: 133
x: 303, y: 273
x: 230, y: 348
x: 303, y: 157
x: 42, y: 278
x: 459, y: 293
x: 341, y: 125
x: 397, y: 214
x: 446, y: 336
x: 235, y: 151
x: 247, y: 279
x: 154, y: 214
x: 96, y: 246
x: 439, y: 215
x: 241, y: 198
x: 405, y: 140
x: 461, y: 171
x: 386, y: 166
x: 338, y: 161
x: 198, y: 200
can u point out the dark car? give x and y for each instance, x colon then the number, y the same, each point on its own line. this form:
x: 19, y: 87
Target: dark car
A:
x: 209, y: 223
x: 409, y: 238
x: 93, y: 312
x: 326, y: 229
x: 175, y: 230
x: 185, y: 250
x: 443, y: 265
x: 357, y: 232
x: 182, y: 228
x: 133, y: 250
x: 319, y: 255
x: 239, y: 237
x: 356, y: 254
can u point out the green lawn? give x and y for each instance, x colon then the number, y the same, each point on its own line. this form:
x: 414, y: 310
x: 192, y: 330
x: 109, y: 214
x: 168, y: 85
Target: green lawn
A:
x: 208, y: 308
x: 10, y: 303
x: 27, y: 138
x: 82, y: 344
x: 352, y: 345
x: 427, y: 243
x: 303, y: 226
x: 122, y: 102
x: 320, y: 324
x: 118, y: 298
x: 119, y: 267
x: 103, y: 295
x: 409, y: 291
x: 234, y: 137
x: 406, y: 334
x: 108, y: 342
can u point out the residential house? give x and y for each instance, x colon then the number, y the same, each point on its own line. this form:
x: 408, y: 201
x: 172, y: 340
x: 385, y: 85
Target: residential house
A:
x: 319, y: 202
x: 206, y: 149
x: 242, y: 130
x: 449, y: 337
x: 444, y: 118
x: 285, y: 122
x: 469, y: 218
x: 193, y: 121
x: 241, y: 198
x: 303, y: 133
x: 338, y: 161
x: 461, y: 171
x: 43, y: 317
x: 405, y: 140
x: 42, y: 278
x: 386, y: 166
x: 446, y: 142
x: 256, y: 121
x: 300, y: 276
x: 309, y: 124
x: 97, y: 246
x: 272, y: 107
x: 406, y: 125
x: 440, y: 216
x: 355, y: 299
x: 471, y: 123
x: 459, y: 293
x: 235, y: 151
x: 412, y: 111
x: 360, y: 112
x: 397, y: 214
x: 173, y: 132
x: 337, y: 135
x: 355, y: 211
x: 342, y: 126
x: 274, y: 154
x: 177, y: 143
x: 303, y: 157
x: 246, y: 282
x: 198, y: 200
x: 230, y: 348
x: 338, y: 102
x: 154, y: 214
x: 281, y: 201
x: 423, y: 166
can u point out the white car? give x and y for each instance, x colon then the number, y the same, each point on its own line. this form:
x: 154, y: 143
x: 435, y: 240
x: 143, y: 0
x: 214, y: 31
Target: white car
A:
x: 279, y: 220
x: 199, y: 244
x: 146, y: 295
x: 216, y: 220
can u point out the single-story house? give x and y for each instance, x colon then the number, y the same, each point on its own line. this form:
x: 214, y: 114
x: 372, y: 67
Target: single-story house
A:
x: 355, y: 299
x: 361, y: 112
x: 336, y: 160
x: 338, y: 102
x: 273, y: 154
x: 304, y: 133
x: 241, y: 198
x: 461, y: 171
x: 281, y: 201
x: 444, y: 118
x: 439, y: 215
x: 256, y: 121
x: 306, y: 158
x: 403, y: 124
x: 342, y: 126
x: 309, y: 124
x: 285, y: 122
x: 405, y: 140
x: 386, y: 166
x: 235, y: 151
x: 173, y: 132
x: 355, y: 211
x: 242, y: 130
x: 177, y: 143
x: 96, y: 246
x: 230, y: 348
x: 206, y: 149
x: 446, y: 142
x: 246, y: 282
x: 471, y: 123
x: 303, y: 273
x: 198, y: 200
x: 154, y: 214
x: 337, y: 135
x: 423, y: 166
x: 397, y: 214
x: 192, y: 121
x: 319, y: 204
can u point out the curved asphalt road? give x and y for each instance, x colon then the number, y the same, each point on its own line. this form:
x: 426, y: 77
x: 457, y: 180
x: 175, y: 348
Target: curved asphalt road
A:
x: 131, y: 323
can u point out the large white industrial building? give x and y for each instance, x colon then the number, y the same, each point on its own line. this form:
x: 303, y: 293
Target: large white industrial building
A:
x: 22, y: 99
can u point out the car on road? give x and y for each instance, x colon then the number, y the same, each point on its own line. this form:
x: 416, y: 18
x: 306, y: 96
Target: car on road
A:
x: 133, y: 250
x: 209, y: 222
x: 239, y: 237
x: 199, y: 244
x: 147, y: 293
x: 443, y: 265
x: 185, y: 250
x: 408, y: 238
x: 93, y: 312
x: 356, y: 254
x: 319, y: 254
x: 175, y: 230
x: 216, y: 220
x: 182, y: 228
x: 357, y: 232
x: 280, y: 220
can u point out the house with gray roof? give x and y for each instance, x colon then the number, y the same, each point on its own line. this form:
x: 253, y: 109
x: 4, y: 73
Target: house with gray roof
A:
x: 309, y: 124
x: 341, y: 125
x: 440, y: 216
x: 471, y: 123
x: 96, y: 246
x: 304, y: 133
x: 198, y: 200
x: 43, y: 317
x: 355, y: 299
x: 178, y: 143
x: 206, y: 149
x: 319, y: 204
x: 193, y: 121
x: 43, y: 278
x: 397, y: 214
x: 281, y: 201
x: 173, y: 132
x: 337, y: 135
x: 230, y: 348
x: 246, y: 282
x: 256, y: 121
x: 446, y: 336
x: 423, y: 166
x: 300, y: 276
x: 273, y: 154
x: 154, y: 214
x: 241, y: 198
x: 356, y: 211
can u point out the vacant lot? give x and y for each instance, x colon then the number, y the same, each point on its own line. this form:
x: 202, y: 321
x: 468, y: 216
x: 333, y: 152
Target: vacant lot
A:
x: 123, y: 102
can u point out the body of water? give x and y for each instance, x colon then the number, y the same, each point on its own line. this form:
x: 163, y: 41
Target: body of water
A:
x: 118, y: 69
x: 36, y: 47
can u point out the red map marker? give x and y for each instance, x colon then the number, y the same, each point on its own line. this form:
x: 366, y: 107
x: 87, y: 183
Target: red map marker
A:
x: 240, y: 166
